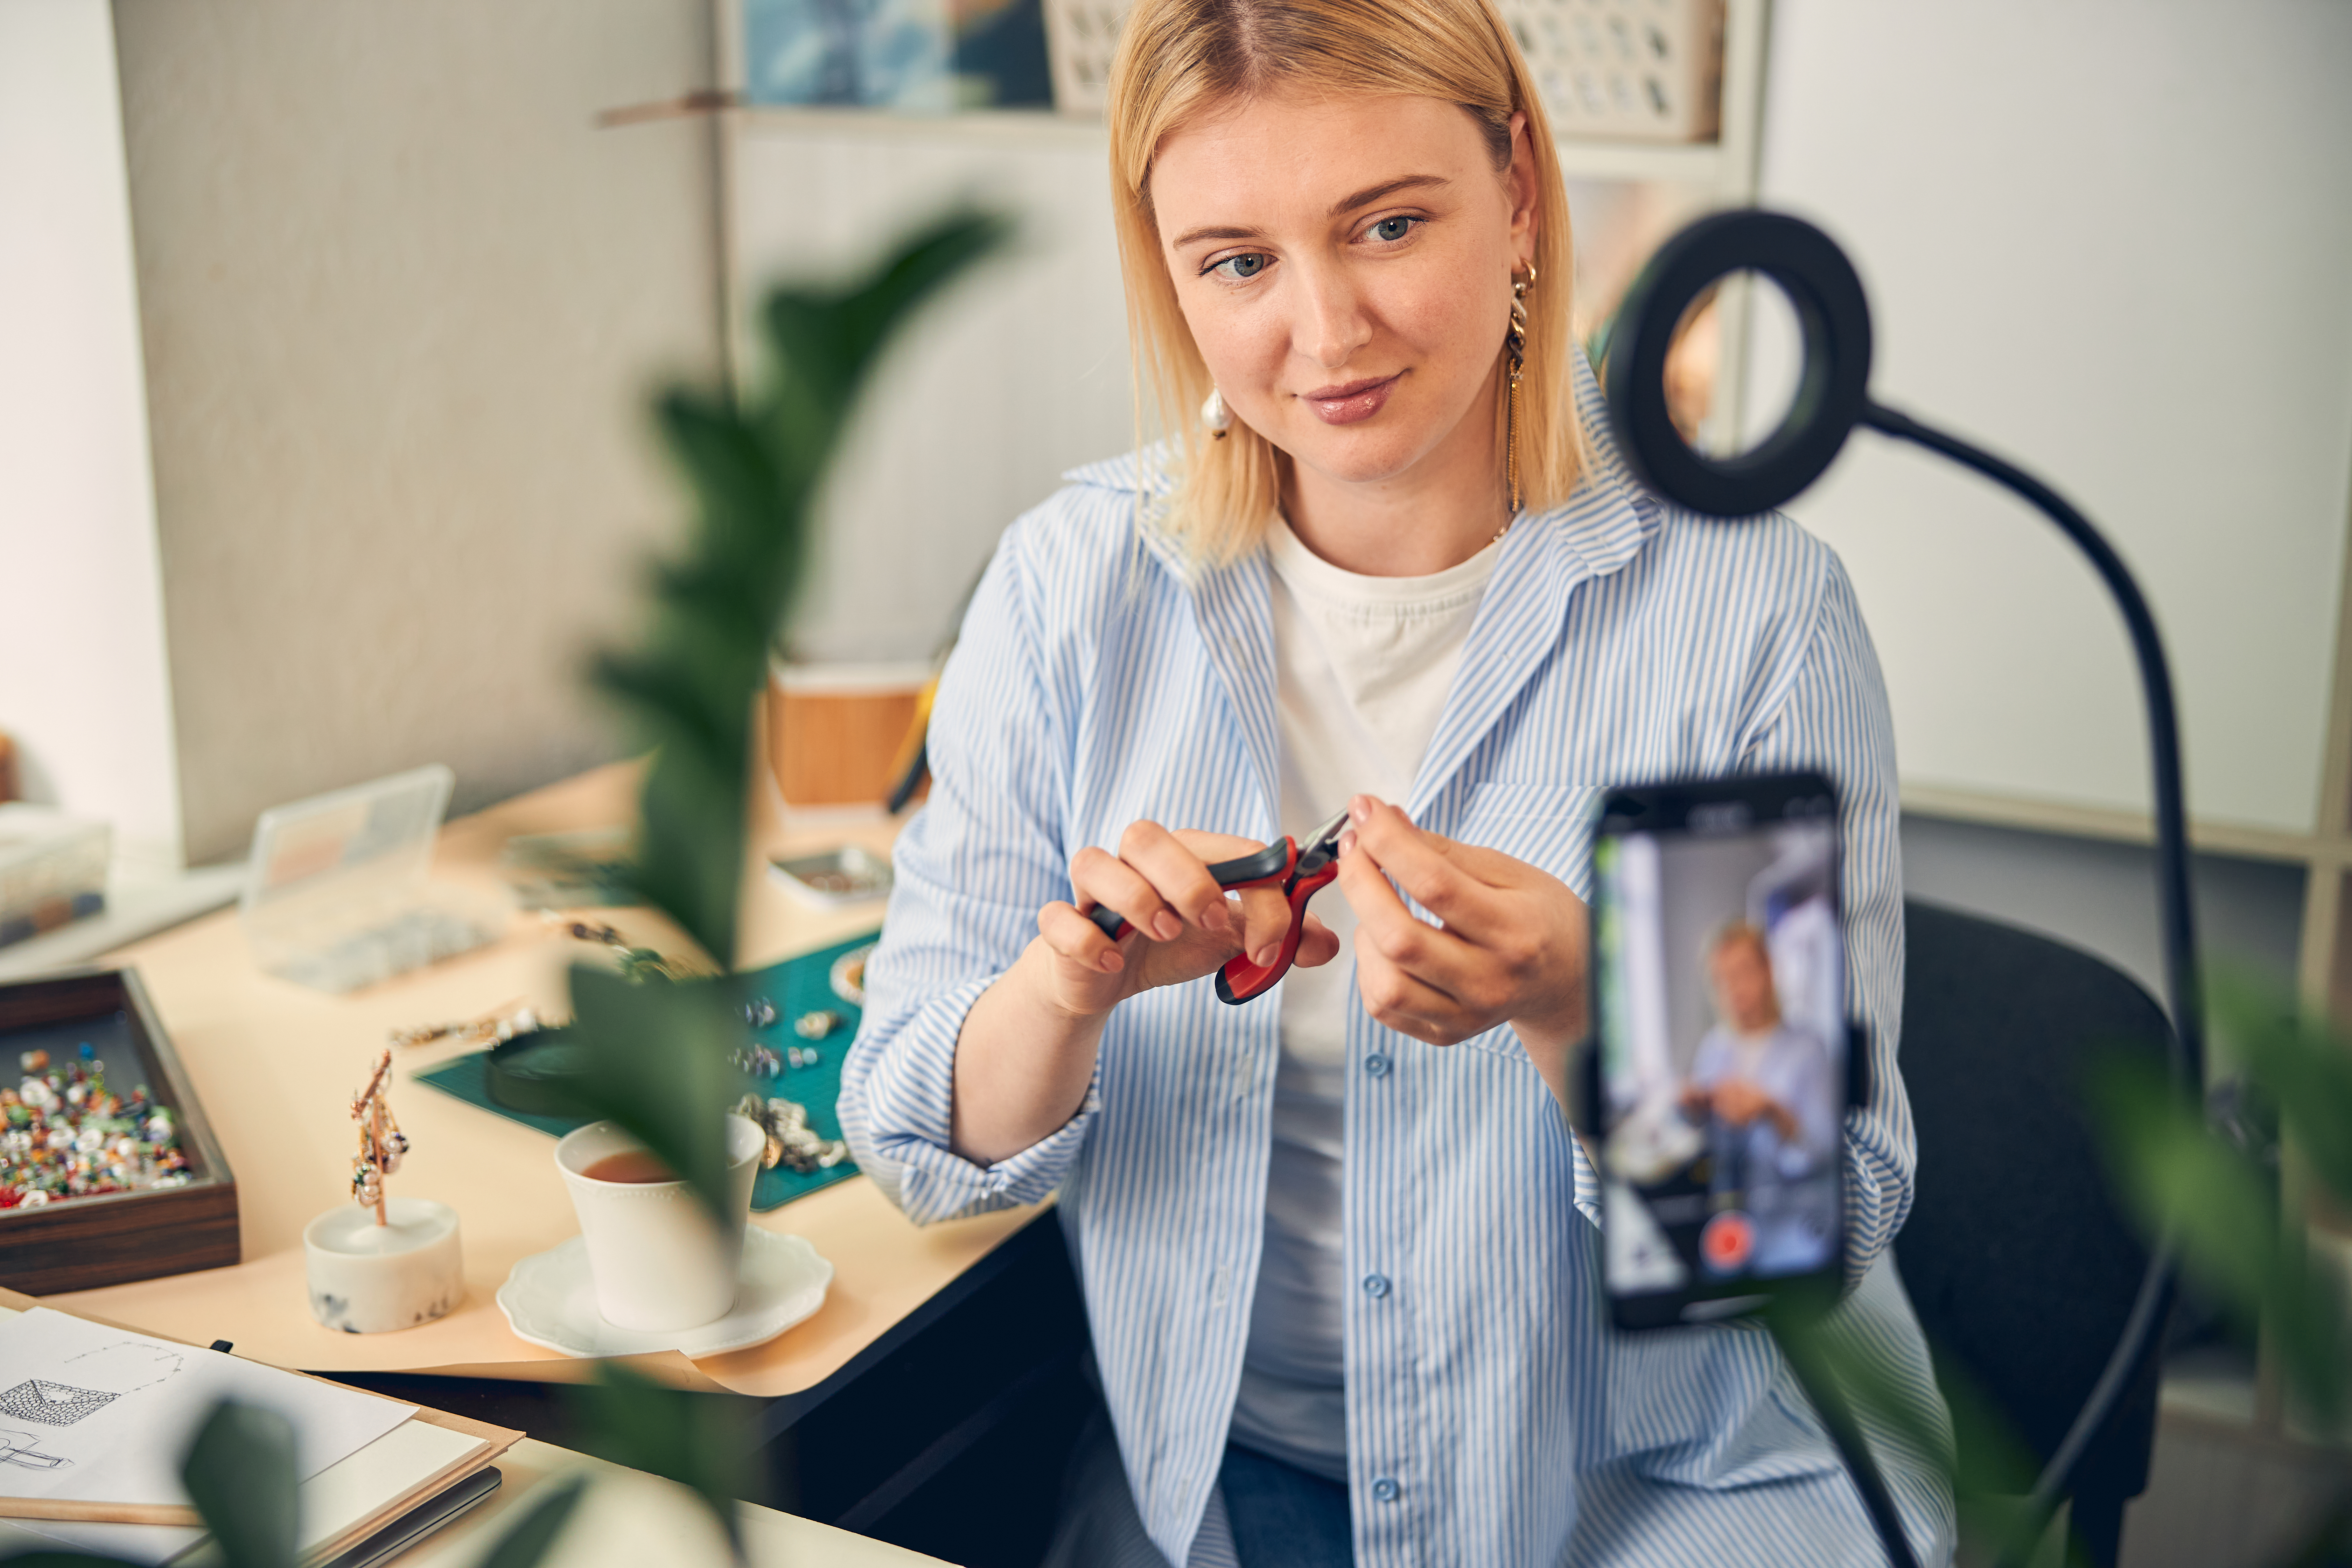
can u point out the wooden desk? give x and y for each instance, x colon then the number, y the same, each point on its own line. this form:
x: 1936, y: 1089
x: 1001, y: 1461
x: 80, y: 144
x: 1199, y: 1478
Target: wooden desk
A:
x: 276, y: 1065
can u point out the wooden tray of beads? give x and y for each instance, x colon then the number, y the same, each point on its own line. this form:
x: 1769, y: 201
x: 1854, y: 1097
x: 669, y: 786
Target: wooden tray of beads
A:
x: 70, y: 1241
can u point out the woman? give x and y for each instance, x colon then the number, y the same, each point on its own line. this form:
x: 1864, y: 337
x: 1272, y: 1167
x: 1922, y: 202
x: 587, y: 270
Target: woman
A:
x: 1337, y: 1243
x: 1757, y: 1083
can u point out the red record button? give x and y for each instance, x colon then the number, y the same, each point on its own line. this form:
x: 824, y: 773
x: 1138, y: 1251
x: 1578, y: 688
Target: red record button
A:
x: 1728, y: 1242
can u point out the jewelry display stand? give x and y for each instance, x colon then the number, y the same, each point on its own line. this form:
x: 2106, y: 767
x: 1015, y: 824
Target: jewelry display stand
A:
x: 381, y: 1263
x: 369, y: 1279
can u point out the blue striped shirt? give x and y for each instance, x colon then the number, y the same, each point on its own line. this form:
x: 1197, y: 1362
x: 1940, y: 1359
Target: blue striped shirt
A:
x: 1493, y: 1417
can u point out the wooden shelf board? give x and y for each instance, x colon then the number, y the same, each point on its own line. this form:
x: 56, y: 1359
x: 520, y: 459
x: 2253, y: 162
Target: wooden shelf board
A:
x: 998, y: 127
x: 1699, y: 163
x: 1687, y: 163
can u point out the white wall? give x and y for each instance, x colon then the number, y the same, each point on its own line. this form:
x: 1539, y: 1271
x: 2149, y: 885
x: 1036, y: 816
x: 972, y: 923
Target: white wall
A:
x: 2110, y: 239
x: 83, y: 685
x: 405, y: 305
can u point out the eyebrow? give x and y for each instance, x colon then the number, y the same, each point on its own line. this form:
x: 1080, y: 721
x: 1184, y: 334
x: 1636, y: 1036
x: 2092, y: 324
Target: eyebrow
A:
x: 1371, y: 193
x: 1362, y: 198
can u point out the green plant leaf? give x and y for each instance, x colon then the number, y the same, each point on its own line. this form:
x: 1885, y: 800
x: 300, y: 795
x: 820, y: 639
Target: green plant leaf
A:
x: 707, y: 1443
x: 2236, y: 1241
x: 2300, y: 1062
x: 528, y: 1539
x: 753, y: 467
x: 240, y: 1474
x: 656, y: 1059
x: 1987, y: 1465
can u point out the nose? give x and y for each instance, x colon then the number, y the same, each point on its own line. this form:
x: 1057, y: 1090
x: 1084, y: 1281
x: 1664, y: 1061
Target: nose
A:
x: 1331, y: 324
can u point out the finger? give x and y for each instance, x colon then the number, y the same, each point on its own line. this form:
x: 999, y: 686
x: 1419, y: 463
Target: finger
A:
x: 1213, y: 848
x: 1399, y: 936
x: 1098, y: 877
x: 1318, y: 944
x: 1177, y: 875
x: 1078, y: 939
x: 1434, y: 869
x: 1405, y: 1004
x: 1263, y: 924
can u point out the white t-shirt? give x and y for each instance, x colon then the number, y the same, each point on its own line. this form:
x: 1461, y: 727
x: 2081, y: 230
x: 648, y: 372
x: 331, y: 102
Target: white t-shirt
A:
x: 1363, y: 666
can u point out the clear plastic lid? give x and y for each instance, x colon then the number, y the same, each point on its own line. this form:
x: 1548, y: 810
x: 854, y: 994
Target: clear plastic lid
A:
x: 336, y: 892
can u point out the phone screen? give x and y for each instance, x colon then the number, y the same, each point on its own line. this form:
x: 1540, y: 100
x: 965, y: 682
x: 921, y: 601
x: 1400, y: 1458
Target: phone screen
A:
x: 1721, y: 984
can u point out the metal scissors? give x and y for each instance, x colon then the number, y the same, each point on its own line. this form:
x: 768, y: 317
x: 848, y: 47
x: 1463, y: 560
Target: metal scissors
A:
x: 1300, y: 868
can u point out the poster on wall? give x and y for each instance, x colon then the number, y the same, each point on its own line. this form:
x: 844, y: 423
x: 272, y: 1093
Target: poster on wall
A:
x: 908, y: 56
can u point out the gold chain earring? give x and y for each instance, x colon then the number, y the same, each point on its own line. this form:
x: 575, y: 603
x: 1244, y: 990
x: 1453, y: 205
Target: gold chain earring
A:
x: 1515, y: 343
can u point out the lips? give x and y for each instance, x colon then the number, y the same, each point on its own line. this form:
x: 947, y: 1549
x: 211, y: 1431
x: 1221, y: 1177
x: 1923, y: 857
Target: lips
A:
x: 1351, y: 402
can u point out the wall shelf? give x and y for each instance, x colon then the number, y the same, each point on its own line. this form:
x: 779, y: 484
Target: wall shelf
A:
x: 1690, y: 164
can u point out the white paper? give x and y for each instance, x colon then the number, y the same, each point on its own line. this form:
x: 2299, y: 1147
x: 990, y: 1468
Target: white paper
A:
x: 104, y: 1414
x: 334, y: 1500
x: 383, y: 1472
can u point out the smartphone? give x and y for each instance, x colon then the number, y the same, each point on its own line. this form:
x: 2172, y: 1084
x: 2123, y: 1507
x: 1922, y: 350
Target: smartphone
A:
x: 1720, y: 1078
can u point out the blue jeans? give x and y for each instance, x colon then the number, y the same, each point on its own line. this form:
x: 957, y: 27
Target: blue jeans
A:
x: 1283, y: 1516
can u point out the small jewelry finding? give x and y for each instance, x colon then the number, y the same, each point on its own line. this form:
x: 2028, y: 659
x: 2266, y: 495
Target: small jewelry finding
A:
x: 637, y: 963
x: 381, y: 1142
x: 791, y: 1141
x: 496, y: 1026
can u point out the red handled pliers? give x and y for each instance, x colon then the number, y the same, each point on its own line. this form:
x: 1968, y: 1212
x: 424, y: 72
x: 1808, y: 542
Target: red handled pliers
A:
x: 1301, y: 869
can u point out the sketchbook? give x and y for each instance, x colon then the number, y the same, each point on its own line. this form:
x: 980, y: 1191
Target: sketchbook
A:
x: 93, y: 1412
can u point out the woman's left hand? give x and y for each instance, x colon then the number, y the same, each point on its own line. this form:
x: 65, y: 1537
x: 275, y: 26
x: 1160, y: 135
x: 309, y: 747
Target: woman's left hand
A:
x: 1513, y: 948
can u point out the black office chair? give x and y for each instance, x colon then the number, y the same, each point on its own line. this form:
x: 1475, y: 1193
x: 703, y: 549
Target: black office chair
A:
x: 2021, y: 1265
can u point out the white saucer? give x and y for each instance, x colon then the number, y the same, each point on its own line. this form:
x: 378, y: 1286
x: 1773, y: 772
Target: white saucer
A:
x: 550, y: 1301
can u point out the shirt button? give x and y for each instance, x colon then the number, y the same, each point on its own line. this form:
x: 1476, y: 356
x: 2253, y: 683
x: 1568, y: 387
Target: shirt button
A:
x: 1376, y: 1286
x: 1376, y: 1065
x: 1385, y: 1489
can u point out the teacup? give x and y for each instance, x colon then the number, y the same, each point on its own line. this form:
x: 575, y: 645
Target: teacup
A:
x: 658, y: 1261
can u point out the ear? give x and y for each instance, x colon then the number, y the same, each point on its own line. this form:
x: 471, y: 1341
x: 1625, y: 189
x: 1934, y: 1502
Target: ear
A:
x: 1521, y: 186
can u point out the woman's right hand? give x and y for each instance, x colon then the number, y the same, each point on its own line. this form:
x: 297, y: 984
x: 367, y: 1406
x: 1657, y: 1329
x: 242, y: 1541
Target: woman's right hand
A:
x: 1028, y: 1047
x: 1180, y: 924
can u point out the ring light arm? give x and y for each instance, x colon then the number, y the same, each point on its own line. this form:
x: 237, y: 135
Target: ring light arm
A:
x: 1831, y: 398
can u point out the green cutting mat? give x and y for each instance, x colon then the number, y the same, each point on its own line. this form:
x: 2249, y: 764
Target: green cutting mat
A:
x: 797, y: 985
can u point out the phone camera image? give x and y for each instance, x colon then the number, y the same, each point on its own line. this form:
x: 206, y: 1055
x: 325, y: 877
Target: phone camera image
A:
x: 1722, y: 1035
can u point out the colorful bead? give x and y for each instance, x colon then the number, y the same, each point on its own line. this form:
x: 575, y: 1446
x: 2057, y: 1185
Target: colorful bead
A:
x: 67, y: 1135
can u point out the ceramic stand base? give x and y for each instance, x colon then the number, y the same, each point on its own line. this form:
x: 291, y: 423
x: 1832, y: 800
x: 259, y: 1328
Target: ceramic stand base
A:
x: 369, y: 1279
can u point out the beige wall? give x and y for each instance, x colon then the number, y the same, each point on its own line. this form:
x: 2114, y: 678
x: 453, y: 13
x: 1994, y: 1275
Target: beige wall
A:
x: 402, y: 305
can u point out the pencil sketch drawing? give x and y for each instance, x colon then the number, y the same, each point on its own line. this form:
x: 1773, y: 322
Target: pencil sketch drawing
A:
x: 55, y: 1403
x: 22, y: 1448
x: 123, y: 1368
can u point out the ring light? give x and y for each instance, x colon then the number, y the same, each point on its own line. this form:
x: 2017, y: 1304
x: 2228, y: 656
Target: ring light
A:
x: 1832, y: 388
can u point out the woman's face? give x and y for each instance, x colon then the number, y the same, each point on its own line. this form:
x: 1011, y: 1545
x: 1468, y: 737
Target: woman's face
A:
x: 1743, y: 986
x: 1345, y: 264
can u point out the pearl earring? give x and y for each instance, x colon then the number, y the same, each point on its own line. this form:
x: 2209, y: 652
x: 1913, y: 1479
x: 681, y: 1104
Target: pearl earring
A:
x: 1216, y: 417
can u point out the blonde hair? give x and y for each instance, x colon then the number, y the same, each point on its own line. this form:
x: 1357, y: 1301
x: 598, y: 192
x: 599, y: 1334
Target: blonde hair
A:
x: 1180, y: 58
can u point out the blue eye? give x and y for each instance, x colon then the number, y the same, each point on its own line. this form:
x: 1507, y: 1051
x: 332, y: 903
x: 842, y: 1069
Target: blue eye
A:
x: 1242, y: 267
x: 1392, y: 228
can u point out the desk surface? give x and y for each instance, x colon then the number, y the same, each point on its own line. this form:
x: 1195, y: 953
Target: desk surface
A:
x: 275, y: 1066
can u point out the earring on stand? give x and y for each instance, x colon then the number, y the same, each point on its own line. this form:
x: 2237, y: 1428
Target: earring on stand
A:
x: 1515, y: 343
x: 1216, y: 417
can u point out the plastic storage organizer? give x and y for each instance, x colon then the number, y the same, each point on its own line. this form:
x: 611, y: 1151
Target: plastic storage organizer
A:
x: 336, y: 895
x: 52, y: 870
